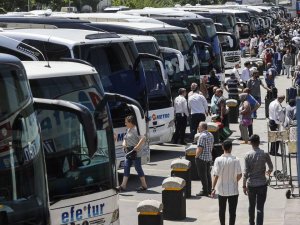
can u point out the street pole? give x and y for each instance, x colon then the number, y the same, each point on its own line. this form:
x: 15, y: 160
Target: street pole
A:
x: 28, y: 7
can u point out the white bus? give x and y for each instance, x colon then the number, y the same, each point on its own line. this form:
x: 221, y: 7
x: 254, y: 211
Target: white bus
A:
x: 81, y: 184
x: 24, y: 184
x: 115, y: 59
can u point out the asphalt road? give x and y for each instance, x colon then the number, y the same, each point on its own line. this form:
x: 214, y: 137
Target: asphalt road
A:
x: 278, y: 210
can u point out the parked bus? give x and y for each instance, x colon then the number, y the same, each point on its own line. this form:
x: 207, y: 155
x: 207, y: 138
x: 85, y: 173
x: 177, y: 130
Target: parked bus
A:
x: 23, y: 184
x: 115, y: 59
x: 170, y: 37
x: 77, y: 178
x: 224, y: 22
x: 163, y: 111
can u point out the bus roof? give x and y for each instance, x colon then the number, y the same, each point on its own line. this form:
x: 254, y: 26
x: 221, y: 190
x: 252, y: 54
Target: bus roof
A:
x: 106, y: 17
x: 143, y: 27
x: 40, y: 70
x: 40, y: 20
x: 140, y: 38
x: 69, y: 37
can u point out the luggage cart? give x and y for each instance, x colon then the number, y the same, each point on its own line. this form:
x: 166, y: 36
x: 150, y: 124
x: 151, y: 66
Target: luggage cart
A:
x: 279, y: 175
x: 292, y: 147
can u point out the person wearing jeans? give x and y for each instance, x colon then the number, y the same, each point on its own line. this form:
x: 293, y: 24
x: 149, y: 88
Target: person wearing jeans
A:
x: 287, y: 61
x: 254, y: 180
x: 227, y: 173
x: 203, y: 158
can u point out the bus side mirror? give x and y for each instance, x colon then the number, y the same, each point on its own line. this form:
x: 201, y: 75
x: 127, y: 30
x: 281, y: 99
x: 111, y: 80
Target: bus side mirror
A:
x: 220, y: 27
x: 160, y: 67
x: 17, y: 129
x: 178, y: 54
x: 83, y: 114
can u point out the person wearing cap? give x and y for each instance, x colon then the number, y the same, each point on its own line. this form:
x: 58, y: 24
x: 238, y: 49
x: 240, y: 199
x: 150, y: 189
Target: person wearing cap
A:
x: 245, y: 76
x: 254, y: 86
x: 276, y: 117
x: 232, y: 87
x: 254, y: 180
x: 270, y: 75
x: 181, y: 115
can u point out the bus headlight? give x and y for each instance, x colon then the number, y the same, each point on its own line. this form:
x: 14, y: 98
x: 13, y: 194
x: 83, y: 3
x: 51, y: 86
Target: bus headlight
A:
x: 115, y: 216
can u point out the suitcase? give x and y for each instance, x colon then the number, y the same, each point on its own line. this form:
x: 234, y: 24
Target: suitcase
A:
x: 291, y: 93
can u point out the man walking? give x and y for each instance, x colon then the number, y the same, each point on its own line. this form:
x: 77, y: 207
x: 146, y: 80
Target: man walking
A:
x: 254, y: 181
x: 245, y: 76
x: 232, y: 87
x: 287, y: 61
x: 276, y: 117
x: 199, y: 110
x: 181, y: 114
x: 203, y: 158
x: 227, y: 173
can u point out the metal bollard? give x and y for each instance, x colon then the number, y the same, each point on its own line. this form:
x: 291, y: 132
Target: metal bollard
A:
x: 190, y: 153
x: 233, y: 113
x: 173, y: 198
x: 181, y: 168
x: 213, y: 128
x: 150, y: 213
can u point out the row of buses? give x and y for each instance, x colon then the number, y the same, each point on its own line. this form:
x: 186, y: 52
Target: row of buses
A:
x: 67, y: 83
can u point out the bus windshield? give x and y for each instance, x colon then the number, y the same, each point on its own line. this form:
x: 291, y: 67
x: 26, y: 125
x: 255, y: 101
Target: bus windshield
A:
x: 183, y: 42
x: 22, y: 183
x: 227, y: 21
x: 70, y: 169
x: 114, y: 63
x: 159, y: 94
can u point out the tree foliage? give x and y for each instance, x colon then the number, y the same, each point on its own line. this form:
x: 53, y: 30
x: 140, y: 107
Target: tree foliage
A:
x: 139, y: 4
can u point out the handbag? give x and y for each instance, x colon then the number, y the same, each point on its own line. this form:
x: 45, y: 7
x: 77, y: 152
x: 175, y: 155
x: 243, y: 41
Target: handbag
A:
x: 246, y: 122
x: 130, y: 153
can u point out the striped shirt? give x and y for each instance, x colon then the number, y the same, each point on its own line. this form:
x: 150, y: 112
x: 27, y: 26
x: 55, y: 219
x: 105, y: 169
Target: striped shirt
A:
x: 255, y: 167
x: 206, y: 141
x: 227, y: 167
x: 233, y: 88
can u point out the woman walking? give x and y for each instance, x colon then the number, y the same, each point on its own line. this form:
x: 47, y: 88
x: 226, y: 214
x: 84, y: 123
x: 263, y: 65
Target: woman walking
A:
x: 133, y: 144
x: 245, y: 118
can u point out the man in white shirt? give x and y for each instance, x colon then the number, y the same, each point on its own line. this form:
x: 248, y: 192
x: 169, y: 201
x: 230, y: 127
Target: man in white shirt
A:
x: 227, y: 172
x: 245, y: 76
x: 235, y: 70
x: 181, y: 114
x: 276, y: 117
x: 199, y: 110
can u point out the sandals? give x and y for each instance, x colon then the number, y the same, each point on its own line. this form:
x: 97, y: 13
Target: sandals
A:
x: 120, y: 188
x: 141, y: 188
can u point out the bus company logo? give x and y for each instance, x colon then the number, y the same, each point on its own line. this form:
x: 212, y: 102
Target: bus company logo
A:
x: 232, y: 53
x: 159, y: 116
x: 154, y: 117
x: 120, y: 136
x: 72, y: 216
x: 24, y: 48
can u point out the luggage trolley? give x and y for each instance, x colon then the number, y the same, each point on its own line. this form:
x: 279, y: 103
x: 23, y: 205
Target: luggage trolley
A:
x: 280, y: 175
x: 292, y: 147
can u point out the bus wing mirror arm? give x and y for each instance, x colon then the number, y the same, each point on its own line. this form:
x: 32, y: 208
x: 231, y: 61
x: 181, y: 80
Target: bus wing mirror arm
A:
x: 83, y: 114
x: 178, y: 54
x: 113, y: 97
x: 144, y: 56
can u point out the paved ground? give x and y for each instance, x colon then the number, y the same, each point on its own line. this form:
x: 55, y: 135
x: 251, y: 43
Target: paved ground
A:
x: 278, y: 210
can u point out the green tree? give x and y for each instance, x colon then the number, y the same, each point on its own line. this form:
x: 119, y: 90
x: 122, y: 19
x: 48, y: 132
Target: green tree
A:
x: 138, y: 4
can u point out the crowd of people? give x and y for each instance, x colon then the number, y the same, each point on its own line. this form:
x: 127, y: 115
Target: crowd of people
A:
x: 280, y: 54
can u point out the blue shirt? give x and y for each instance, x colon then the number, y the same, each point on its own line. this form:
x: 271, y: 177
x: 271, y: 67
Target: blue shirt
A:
x: 252, y: 101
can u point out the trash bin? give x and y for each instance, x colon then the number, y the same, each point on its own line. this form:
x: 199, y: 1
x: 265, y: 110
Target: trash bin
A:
x: 182, y: 168
x: 150, y: 213
x: 213, y: 128
x: 233, y: 113
x: 173, y: 198
x: 190, y: 153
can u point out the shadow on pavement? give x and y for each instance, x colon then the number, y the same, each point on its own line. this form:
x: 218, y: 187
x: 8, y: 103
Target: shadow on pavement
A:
x: 158, y: 155
x: 187, y: 219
